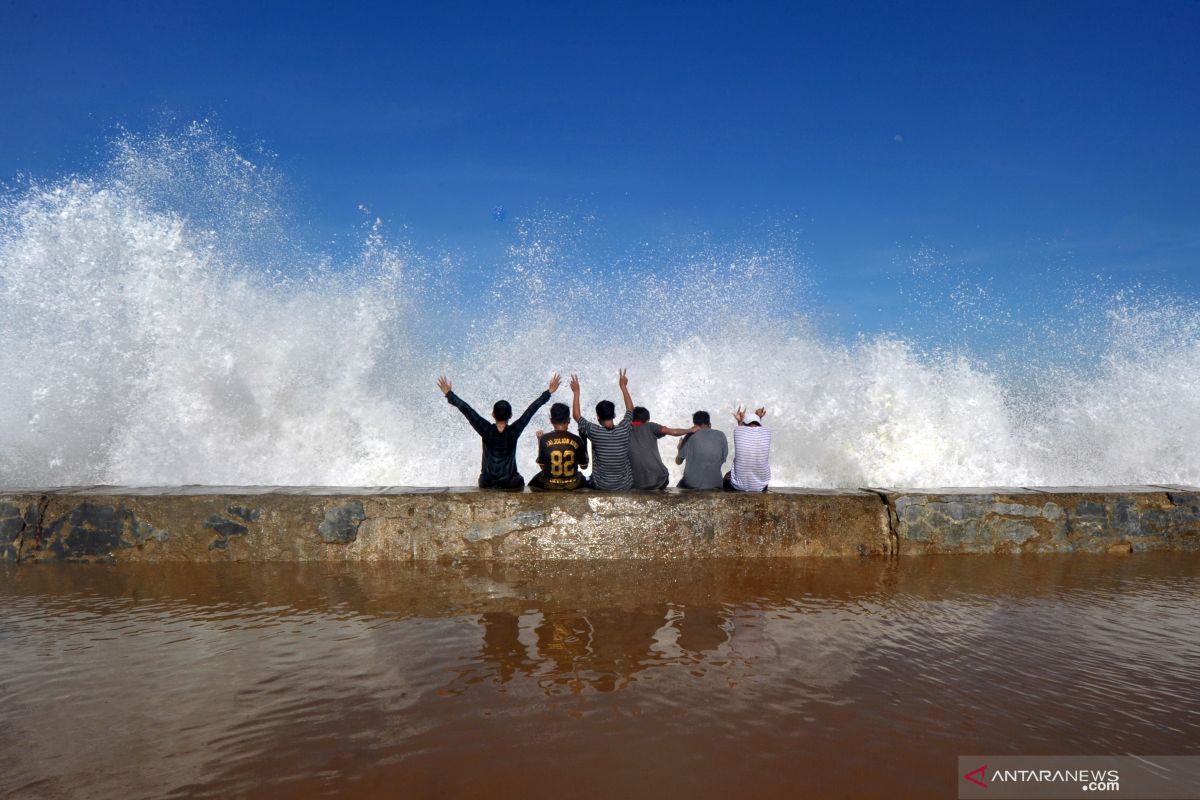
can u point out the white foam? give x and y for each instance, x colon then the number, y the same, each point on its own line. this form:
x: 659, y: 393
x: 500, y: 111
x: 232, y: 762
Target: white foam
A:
x: 158, y: 327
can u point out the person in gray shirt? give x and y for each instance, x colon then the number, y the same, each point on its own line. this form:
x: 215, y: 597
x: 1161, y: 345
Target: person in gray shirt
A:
x: 704, y: 452
x: 649, y: 471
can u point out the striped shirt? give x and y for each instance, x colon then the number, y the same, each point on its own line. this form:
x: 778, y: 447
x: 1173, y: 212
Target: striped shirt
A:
x: 751, y: 458
x: 610, y: 453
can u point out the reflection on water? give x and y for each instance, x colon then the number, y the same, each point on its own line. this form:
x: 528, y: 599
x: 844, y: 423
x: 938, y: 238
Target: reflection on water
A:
x: 601, y: 649
x: 858, y: 678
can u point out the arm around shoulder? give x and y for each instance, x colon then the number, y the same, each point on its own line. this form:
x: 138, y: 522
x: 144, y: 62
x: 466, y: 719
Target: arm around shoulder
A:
x: 663, y: 430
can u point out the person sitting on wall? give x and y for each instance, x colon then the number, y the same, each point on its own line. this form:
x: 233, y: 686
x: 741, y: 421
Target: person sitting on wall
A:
x: 649, y: 471
x: 561, y: 454
x: 704, y: 452
x: 611, y: 470
x: 751, y: 454
x: 499, y: 466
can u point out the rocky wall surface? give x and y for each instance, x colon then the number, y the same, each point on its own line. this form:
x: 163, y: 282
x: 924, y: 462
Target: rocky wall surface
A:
x: 1045, y: 519
x: 315, y: 524
x: 262, y: 524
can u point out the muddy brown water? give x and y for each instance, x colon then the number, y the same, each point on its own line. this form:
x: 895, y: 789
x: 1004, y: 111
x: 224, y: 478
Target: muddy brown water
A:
x: 825, y: 678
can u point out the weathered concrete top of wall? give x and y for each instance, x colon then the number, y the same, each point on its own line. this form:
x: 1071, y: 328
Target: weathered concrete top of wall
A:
x: 262, y: 523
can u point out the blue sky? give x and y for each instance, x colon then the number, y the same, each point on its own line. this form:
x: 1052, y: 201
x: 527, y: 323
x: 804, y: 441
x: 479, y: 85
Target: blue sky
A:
x: 1007, y: 141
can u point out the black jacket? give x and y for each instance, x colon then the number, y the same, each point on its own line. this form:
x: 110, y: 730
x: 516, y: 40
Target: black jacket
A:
x: 499, y: 466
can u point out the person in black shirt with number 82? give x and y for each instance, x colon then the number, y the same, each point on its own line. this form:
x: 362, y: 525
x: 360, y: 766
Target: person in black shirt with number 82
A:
x: 561, y: 454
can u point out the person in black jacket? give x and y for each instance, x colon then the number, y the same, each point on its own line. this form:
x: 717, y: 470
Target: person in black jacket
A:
x: 499, y: 467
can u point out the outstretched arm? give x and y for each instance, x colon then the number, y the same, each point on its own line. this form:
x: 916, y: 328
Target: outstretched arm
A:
x: 677, y: 431
x: 480, y: 424
x: 623, y: 381
x: 542, y: 399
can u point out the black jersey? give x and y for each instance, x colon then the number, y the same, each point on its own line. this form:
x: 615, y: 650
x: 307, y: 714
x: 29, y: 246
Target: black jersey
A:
x: 499, y: 464
x: 561, y: 454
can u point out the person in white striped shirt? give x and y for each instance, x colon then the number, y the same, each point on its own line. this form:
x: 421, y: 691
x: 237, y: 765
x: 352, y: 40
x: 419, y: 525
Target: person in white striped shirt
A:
x: 751, y: 454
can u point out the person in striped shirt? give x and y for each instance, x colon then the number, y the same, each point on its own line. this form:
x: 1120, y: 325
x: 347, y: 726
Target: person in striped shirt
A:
x: 611, y: 470
x: 751, y: 454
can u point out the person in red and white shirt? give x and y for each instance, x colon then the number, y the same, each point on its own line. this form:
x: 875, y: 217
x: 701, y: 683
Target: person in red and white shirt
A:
x: 751, y: 454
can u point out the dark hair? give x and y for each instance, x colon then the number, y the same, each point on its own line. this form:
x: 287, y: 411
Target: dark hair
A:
x: 701, y: 418
x: 559, y: 413
x: 605, y: 410
x: 502, y: 411
x: 754, y: 424
x: 641, y: 414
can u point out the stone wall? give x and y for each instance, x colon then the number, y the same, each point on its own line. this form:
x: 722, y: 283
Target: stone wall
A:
x: 392, y: 524
x: 1045, y: 520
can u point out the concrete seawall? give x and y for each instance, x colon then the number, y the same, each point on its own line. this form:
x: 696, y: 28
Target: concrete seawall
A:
x: 196, y: 524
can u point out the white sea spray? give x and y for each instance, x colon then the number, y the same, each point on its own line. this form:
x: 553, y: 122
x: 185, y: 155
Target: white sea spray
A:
x: 158, y: 325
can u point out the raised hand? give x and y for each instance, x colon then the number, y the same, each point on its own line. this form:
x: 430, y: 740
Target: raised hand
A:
x: 574, y: 383
x: 740, y: 415
x: 444, y: 385
x: 555, y: 379
x: 761, y: 411
x: 622, y: 379
x: 538, y: 433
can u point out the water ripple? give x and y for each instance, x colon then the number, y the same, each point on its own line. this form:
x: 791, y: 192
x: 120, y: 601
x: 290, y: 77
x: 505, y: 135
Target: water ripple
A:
x: 704, y: 678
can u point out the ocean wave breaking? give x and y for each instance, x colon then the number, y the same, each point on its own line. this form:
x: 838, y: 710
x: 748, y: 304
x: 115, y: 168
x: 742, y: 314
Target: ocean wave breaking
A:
x: 158, y: 325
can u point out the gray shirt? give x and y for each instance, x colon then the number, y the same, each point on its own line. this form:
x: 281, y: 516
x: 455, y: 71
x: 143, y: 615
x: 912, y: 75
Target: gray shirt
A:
x: 649, y: 471
x: 704, y: 452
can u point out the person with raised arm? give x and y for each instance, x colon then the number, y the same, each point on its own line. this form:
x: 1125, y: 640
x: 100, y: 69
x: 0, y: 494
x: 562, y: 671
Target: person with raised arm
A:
x: 561, y: 454
x: 649, y: 471
x: 611, y: 470
x: 751, y: 454
x: 498, y: 469
x: 704, y: 452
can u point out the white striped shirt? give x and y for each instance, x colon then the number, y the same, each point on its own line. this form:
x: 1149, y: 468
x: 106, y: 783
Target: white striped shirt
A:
x: 611, y: 469
x: 751, y: 458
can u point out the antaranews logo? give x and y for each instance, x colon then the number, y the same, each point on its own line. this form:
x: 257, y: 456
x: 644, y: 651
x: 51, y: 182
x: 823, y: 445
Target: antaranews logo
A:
x: 1149, y: 777
x: 977, y: 775
x: 1085, y: 779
